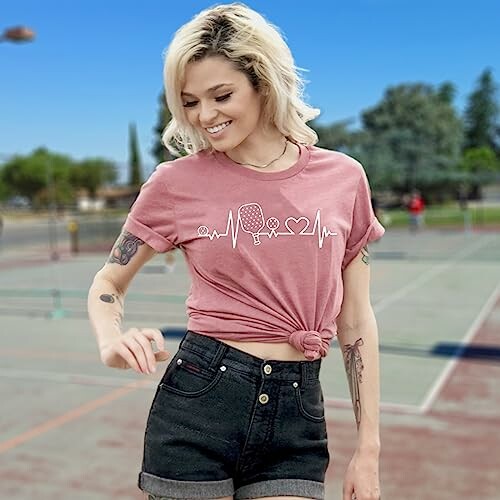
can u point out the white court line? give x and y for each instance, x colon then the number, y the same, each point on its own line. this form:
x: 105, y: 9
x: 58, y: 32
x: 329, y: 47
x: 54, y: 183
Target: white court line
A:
x: 386, y: 407
x: 474, y: 327
x: 411, y: 286
x: 103, y: 381
x: 74, y: 378
x: 429, y: 274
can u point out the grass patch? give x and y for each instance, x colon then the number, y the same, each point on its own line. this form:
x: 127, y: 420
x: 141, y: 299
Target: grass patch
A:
x: 437, y: 216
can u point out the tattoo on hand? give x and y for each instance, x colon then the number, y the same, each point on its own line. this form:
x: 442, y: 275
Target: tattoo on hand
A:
x: 125, y: 248
x: 354, y: 368
x: 366, y: 256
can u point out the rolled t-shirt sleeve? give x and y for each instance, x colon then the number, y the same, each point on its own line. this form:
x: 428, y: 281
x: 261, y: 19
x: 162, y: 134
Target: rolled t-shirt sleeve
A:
x: 152, y: 215
x: 365, y: 227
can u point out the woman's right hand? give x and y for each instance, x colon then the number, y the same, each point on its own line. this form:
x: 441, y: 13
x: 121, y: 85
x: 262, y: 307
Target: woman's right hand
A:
x: 133, y: 349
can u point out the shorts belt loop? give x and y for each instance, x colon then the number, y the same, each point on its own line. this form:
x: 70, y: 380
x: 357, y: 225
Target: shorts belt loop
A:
x: 183, y: 339
x: 219, y: 354
x: 304, y: 374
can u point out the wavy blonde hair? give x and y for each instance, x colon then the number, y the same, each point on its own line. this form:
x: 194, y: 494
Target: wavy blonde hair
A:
x: 255, y: 47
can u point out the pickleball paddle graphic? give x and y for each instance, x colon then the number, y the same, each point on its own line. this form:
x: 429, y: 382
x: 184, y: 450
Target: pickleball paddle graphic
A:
x: 252, y: 220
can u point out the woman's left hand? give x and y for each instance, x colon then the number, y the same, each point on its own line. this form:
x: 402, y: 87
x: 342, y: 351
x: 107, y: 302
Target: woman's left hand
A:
x: 361, y: 481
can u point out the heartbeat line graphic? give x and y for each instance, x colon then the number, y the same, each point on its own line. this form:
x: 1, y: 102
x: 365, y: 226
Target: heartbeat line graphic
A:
x: 250, y: 219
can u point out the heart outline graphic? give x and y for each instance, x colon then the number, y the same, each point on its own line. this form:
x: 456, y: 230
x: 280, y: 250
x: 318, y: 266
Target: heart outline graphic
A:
x: 297, y: 221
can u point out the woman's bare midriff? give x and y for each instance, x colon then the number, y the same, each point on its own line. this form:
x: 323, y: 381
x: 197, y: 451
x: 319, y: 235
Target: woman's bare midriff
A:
x: 282, y: 351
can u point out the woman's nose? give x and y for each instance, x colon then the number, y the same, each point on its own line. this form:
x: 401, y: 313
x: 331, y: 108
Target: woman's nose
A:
x: 207, y: 114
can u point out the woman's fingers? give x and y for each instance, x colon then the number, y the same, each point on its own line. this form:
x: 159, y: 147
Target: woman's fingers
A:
x: 137, y: 351
x: 142, y: 338
x: 139, y: 343
x: 158, y: 339
x: 126, y: 354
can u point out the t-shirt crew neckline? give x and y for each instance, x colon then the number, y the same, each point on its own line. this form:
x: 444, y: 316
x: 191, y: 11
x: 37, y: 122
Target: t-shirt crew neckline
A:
x: 226, y: 162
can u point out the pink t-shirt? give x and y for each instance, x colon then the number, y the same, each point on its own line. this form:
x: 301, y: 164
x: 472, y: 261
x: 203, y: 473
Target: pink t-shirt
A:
x: 265, y: 250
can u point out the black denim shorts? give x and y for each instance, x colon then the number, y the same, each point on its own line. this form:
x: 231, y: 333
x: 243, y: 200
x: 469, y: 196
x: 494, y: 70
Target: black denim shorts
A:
x: 224, y: 422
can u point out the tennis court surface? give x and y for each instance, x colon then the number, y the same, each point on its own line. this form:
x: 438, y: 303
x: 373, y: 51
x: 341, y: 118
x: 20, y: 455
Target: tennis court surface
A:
x: 73, y: 428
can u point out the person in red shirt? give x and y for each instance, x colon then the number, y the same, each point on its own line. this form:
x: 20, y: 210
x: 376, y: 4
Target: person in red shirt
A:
x: 416, y: 207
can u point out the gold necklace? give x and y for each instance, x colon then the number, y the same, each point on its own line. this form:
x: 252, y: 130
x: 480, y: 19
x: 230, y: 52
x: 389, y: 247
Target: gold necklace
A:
x: 263, y: 166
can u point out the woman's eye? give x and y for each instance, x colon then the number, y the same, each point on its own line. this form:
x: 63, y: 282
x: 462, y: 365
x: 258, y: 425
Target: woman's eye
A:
x: 224, y: 97
x: 189, y: 104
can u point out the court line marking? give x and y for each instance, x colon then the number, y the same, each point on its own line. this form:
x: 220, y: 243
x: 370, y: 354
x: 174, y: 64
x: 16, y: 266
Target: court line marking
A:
x: 151, y: 384
x: 470, y: 334
x: 73, y: 378
x: 385, y: 407
x: 411, y: 286
x: 69, y: 416
x: 428, y: 275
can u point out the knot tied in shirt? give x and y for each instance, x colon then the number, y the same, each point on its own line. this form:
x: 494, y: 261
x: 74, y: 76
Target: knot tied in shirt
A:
x: 311, y: 343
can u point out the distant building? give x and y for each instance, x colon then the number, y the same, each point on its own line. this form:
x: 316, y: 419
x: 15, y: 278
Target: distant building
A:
x: 107, y: 197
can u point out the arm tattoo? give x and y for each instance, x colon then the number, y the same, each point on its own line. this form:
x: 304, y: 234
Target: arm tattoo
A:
x: 111, y: 298
x: 354, y: 368
x: 366, y: 255
x: 125, y: 248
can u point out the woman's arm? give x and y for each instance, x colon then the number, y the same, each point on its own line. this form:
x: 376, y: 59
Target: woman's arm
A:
x: 358, y: 339
x: 106, y: 308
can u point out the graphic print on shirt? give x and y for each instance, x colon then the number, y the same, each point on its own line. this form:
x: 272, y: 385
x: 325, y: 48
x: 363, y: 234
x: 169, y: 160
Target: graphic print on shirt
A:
x: 251, y: 220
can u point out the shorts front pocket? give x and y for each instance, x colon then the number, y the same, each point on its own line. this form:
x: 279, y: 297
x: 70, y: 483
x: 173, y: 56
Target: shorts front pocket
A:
x: 190, y: 375
x: 310, y: 401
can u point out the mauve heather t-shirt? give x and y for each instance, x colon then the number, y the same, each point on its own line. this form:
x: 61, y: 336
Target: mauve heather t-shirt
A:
x: 265, y: 250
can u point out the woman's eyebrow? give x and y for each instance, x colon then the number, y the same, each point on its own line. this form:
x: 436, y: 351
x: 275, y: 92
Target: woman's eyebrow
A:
x: 211, y: 89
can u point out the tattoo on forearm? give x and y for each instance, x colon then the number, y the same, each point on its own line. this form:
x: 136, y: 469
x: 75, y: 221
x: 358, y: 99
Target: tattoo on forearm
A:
x: 366, y: 256
x: 112, y: 298
x: 354, y: 368
x: 125, y: 248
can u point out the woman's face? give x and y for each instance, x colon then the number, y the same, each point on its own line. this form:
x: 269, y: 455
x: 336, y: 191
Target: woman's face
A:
x: 221, y: 103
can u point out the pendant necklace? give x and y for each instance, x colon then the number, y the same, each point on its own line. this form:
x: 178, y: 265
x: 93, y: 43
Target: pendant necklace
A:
x: 267, y: 165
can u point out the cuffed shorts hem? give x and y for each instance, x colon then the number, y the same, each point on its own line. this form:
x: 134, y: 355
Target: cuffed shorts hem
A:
x: 282, y: 487
x: 158, y: 486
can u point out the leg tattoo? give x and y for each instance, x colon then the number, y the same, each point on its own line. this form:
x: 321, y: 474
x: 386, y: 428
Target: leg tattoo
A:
x: 354, y: 368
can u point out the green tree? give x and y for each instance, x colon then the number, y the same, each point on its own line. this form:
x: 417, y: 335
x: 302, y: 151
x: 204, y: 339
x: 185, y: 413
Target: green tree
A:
x: 158, y: 150
x: 446, y: 92
x: 135, y: 160
x: 478, y: 166
x: 335, y: 136
x: 481, y: 115
x: 92, y: 173
x: 5, y: 191
x: 413, y: 136
x: 41, y: 176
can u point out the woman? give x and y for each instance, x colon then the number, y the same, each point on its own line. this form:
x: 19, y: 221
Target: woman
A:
x: 274, y: 231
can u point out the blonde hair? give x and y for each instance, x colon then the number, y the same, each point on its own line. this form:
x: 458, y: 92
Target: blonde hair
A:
x: 255, y: 47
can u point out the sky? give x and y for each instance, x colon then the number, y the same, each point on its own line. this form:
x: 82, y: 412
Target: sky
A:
x: 96, y: 65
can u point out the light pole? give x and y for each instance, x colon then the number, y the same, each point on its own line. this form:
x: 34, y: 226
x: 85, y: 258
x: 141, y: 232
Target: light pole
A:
x: 20, y: 34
